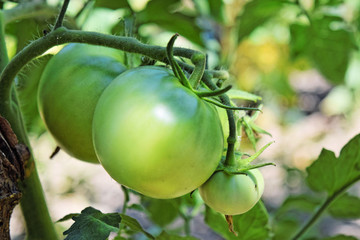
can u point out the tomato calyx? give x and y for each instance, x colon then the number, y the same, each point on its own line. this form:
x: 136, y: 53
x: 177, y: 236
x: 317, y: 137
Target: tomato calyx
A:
x: 242, y: 165
x: 199, y: 60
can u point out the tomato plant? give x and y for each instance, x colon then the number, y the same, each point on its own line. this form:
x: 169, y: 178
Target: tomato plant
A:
x: 154, y: 135
x: 160, y: 127
x: 88, y: 70
x: 233, y: 194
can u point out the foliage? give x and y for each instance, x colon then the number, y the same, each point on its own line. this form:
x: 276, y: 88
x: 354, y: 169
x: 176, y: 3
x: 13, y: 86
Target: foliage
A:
x: 262, y: 44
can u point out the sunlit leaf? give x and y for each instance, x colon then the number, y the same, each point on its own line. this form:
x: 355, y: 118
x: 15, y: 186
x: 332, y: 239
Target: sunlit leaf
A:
x: 329, y: 49
x: 217, y: 9
x: 163, y: 14
x: 330, y: 173
x: 242, y: 95
x: 256, y: 13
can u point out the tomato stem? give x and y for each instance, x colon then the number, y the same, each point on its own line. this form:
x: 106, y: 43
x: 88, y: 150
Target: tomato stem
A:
x: 213, y: 93
x: 330, y: 199
x: 60, y: 18
x: 3, y: 52
x: 38, y: 222
x: 227, y: 106
x: 199, y: 61
x: 174, y: 65
x: 231, y: 140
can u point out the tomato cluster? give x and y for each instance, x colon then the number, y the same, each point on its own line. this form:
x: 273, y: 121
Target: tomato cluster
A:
x: 148, y: 131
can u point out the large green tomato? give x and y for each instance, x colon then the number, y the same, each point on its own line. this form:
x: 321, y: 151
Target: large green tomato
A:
x: 69, y: 89
x: 233, y: 194
x: 155, y: 136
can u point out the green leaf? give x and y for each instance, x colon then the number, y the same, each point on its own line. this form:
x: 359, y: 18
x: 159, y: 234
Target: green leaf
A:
x: 134, y: 225
x: 345, y: 207
x: 299, y: 40
x: 329, y: 49
x: 161, y: 211
x: 242, y: 95
x: 68, y: 217
x: 162, y: 13
x: 112, y: 4
x: 26, y: 85
x: 165, y: 236
x: 256, y: 13
x: 92, y: 224
x: 303, y: 203
x: 250, y: 225
x: 285, y: 228
x: 249, y: 131
x: 320, y: 3
x: 331, y: 174
x: 340, y: 237
x: 289, y: 216
x: 217, y: 9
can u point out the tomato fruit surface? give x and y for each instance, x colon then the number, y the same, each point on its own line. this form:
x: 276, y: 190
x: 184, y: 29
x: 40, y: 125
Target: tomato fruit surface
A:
x: 69, y: 89
x: 233, y: 194
x: 155, y: 136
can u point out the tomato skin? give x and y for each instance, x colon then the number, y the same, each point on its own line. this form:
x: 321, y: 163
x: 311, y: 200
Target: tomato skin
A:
x: 69, y: 89
x: 233, y: 194
x: 155, y: 136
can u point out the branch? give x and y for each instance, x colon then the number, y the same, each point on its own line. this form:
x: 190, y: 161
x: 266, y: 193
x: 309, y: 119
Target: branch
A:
x: 322, y: 208
x: 63, y: 35
x: 12, y: 161
x: 60, y: 18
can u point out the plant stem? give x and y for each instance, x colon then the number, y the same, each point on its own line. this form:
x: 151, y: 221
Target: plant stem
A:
x: 199, y: 61
x: 322, y: 208
x: 33, y: 204
x: 63, y: 35
x: 230, y: 153
x: 61, y: 16
x: 3, y: 52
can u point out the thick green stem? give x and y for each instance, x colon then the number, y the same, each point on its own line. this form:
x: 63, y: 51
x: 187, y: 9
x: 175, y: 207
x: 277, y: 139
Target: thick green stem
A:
x: 323, y: 207
x: 62, y: 35
x: 231, y: 140
x: 33, y: 205
x: 60, y: 18
x: 199, y: 61
x: 3, y: 53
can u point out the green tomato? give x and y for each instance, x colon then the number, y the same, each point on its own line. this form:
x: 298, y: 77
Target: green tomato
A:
x: 155, y: 136
x: 69, y: 89
x: 233, y: 194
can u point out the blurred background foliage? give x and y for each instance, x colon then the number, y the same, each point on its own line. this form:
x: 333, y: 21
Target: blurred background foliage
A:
x: 301, y: 56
